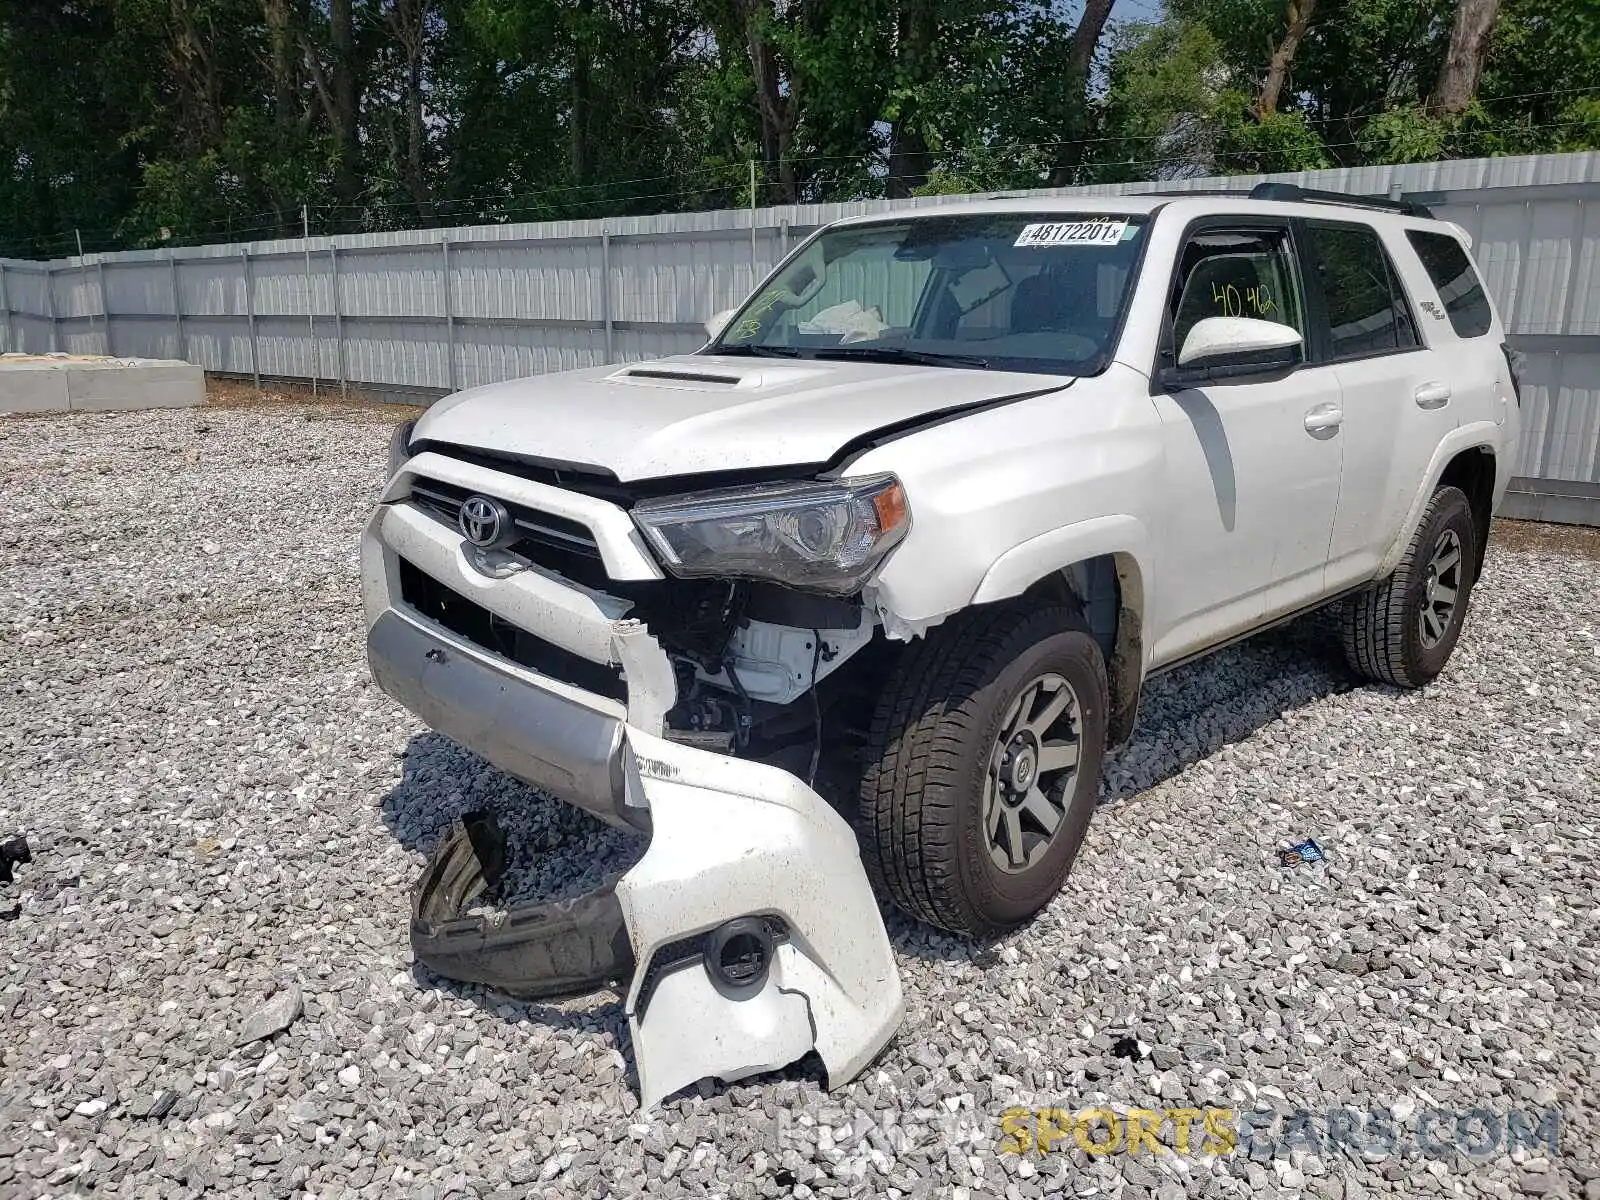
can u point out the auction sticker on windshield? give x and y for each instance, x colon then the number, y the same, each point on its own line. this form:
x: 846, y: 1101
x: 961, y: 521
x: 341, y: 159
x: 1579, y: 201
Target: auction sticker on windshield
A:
x: 1099, y: 232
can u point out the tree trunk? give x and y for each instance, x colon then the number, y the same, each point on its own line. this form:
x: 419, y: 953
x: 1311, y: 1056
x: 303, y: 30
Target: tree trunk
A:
x: 346, y: 90
x: 1080, y: 62
x: 916, y: 45
x: 1278, y: 68
x: 580, y: 145
x: 280, y: 41
x: 194, y: 71
x: 780, y: 112
x: 1463, y: 62
x: 408, y: 22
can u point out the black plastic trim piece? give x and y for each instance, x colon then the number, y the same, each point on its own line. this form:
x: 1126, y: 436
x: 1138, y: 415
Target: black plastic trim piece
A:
x: 1295, y: 194
x: 739, y: 957
x: 698, y: 950
x: 530, y: 951
x: 684, y: 376
x: 1270, y: 623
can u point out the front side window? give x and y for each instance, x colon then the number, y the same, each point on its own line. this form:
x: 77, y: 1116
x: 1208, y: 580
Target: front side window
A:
x: 1367, y: 309
x: 1448, y: 266
x: 1013, y: 291
x: 1235, y: 273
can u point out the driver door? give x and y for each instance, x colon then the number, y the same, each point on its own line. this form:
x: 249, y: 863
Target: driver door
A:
x: 1253, y: 463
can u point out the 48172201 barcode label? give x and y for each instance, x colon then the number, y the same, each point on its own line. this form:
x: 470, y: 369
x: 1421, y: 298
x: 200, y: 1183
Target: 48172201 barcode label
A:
x: 1100, y: 231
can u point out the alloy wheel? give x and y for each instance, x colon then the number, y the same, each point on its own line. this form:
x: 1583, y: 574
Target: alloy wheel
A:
x: 1033, y: 772
x: 1440, y: 589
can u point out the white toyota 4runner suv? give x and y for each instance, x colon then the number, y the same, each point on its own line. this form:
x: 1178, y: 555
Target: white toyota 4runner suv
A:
x: 886, y: 564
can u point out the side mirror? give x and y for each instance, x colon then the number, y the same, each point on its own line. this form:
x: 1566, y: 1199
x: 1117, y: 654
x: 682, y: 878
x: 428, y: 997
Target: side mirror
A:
x: 1221, y: 347
x: 718, y: 322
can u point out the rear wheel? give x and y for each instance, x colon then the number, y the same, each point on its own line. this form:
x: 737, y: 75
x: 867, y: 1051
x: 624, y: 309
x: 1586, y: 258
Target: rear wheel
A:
x: 984, y: 766
x: 1401, y: 631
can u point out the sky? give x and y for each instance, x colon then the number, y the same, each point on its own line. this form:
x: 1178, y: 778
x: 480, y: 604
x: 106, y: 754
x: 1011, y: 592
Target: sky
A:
x: 1136, y: 10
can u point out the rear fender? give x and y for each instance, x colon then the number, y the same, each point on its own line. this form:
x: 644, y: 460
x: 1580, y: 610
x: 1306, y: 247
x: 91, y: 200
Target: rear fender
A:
x: 1477, y: 435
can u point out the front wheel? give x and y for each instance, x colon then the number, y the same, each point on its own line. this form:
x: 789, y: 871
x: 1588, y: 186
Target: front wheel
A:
x: 1401, y: 631
x: 984, y: 765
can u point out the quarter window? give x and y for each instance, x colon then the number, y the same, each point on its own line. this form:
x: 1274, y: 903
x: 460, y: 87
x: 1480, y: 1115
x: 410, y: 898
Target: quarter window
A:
x: 1447, y: 265
x: 1367, y: 309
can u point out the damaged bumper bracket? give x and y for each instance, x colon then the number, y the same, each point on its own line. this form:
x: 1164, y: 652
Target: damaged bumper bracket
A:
x: 747, y: 935
x: 530, y: 951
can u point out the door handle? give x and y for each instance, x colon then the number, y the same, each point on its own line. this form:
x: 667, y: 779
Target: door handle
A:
x: 1324, y: 416
x: 1433, y: 395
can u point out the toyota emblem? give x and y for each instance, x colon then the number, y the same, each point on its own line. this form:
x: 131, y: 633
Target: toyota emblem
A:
x: 485, y: 522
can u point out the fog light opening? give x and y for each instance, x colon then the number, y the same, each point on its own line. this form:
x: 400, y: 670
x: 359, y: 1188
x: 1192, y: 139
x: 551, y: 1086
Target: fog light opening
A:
x: 739, y: 957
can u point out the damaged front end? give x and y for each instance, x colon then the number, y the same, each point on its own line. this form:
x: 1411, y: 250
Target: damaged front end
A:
x: 747, y: 936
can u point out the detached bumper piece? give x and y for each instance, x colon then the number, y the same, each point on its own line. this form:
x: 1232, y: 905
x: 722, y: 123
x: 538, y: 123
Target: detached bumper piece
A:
x: 747, y: 935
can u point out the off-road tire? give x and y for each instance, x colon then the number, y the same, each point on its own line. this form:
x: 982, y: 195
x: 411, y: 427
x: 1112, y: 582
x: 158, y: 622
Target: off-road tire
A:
x: 1383, y: 636
x: 920, y: 817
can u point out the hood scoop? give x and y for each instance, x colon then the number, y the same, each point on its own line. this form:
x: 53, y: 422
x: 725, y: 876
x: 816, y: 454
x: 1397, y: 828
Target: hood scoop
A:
x: 679, y: 376
x: 706, y: 374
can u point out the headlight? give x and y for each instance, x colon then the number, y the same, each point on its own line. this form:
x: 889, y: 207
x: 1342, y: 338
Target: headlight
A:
x: 400, y: 447
x: 824, y: 537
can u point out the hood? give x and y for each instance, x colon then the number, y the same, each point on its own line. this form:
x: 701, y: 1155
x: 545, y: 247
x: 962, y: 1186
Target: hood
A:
x: 701, y: 413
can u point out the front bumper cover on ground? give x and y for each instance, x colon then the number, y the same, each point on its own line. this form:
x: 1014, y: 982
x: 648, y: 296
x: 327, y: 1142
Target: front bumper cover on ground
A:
x: 746, y: 937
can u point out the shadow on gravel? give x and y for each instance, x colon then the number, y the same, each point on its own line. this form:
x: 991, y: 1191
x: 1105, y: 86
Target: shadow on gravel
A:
x: 558, y: 852
x: 1189, y: 714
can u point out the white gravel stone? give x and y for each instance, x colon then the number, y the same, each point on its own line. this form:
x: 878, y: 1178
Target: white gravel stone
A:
x: 224, y: 811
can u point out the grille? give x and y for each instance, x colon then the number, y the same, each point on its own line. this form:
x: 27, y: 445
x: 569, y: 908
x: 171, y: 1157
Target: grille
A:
x: 498, y: 636
x: 555, y: 543
x: 445, y: 500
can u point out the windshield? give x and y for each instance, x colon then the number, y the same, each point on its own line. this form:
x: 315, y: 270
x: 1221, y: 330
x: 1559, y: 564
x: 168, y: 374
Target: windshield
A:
x: 1012, y: 291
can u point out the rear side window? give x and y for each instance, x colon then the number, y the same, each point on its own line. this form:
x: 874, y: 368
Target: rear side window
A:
x: 1447, y: 264
x: 1367, y: 309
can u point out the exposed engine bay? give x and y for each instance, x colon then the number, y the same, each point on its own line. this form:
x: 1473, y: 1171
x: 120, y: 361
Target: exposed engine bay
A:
x: 750, y: 658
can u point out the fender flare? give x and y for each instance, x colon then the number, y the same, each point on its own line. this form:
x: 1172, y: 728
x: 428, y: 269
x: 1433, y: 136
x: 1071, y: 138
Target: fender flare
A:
x: 1020, y: 567
x: 1478, y: 435
x: 1121, y: 537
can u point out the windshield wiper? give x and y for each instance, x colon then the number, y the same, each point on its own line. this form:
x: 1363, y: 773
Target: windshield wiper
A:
x: 754, y: 351
x: 900, y: 354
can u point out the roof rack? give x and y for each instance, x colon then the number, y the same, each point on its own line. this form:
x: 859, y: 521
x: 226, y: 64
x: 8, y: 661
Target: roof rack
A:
x: 1295, y: 193
x: 1180, y: 193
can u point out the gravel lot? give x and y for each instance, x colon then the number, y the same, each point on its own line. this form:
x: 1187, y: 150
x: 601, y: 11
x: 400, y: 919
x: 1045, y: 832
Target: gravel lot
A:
x: 224, y: 809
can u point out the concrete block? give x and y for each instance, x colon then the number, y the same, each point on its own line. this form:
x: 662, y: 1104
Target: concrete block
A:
x: 33, y: 391
x: 134, y: 385
x: 78, y: 383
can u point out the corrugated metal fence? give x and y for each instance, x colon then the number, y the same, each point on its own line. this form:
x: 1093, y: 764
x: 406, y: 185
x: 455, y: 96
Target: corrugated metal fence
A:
x: 436, y: 310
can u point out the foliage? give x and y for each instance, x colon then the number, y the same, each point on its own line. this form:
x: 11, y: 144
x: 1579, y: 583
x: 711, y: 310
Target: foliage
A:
x: 1404, y: 134
x: 1162, y: 101
x: 151, y: 122
x: 1277, y: 141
